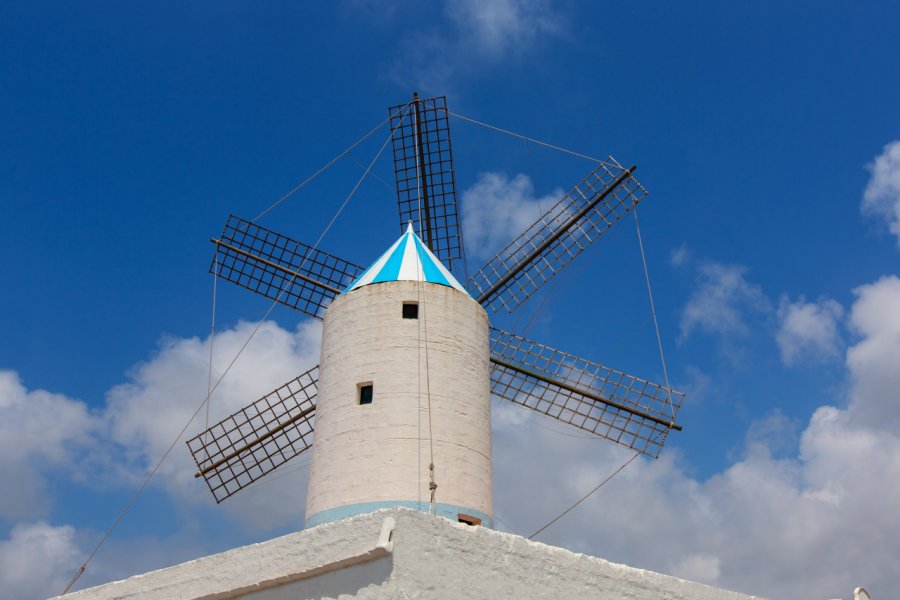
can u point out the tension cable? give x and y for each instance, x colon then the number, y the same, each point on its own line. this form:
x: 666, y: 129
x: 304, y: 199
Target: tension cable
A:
x: 259, y: 324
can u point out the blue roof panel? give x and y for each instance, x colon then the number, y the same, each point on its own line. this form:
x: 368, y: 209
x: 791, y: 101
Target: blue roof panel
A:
x: 408, y: 259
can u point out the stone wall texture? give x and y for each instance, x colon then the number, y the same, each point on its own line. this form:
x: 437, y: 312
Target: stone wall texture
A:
x: 399, y: 554
x: 364, y: 454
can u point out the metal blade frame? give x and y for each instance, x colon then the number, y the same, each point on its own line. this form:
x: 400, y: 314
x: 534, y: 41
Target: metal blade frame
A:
x: 278, y: 267
x: 611, y: 404
x: 423, y: 167
x: 257, y: 439
x: 606, y: 195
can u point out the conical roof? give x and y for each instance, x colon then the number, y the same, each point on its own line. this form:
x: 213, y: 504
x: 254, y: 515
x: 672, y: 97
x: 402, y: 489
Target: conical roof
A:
x: 407, y: 260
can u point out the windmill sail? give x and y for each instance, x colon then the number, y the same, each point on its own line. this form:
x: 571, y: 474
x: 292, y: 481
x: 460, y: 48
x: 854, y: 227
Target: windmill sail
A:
x: 423, y: 167
x: 278, y: 267
x: 630, y: 411
x: 606, y: 195
x: 257, y: 439
x: 613, y: 405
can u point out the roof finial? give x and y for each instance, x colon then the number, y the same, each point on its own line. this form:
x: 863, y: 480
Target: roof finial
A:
x: 409, y: 228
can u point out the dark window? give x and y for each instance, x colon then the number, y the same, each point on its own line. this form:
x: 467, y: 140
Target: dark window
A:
x: 365, y: 393
x: 410, y: 310
x: 468, y: 519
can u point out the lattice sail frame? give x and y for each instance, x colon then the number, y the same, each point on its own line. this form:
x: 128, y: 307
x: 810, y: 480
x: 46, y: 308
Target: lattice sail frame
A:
x: 602, y: 419
x: 278, y: 267
x: 281, y: 425
x: 431, y: 152
x: 606, y: 195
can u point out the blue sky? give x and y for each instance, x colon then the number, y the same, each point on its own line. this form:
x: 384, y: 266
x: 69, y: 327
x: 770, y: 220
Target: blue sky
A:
x: 767, y: 135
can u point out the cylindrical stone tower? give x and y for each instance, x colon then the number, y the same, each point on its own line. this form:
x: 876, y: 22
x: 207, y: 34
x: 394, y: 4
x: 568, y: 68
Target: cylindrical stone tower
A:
x: 404, y: 377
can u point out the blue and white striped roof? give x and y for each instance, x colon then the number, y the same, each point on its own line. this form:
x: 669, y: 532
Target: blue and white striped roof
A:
x: 407, y: 260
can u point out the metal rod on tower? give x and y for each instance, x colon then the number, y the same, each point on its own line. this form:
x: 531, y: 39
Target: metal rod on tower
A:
x: 423, y: 182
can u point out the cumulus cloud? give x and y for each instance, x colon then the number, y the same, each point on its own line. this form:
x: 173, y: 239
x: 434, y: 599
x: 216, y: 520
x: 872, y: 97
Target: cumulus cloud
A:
x: 145, y: 414
x: 774, y: 433
x: 882, y: 195
x: 679, y: 256
x: 808, y: 512
x: 496, y: 209
x: 697, y: 567
x: 808, y: 331
x: 873, y: 361
x: 37, y: 560
x: 39, y: 432
x: 45, y: 435
x: 496, y: 28
x: 722, y: 299
x: 478, y: 35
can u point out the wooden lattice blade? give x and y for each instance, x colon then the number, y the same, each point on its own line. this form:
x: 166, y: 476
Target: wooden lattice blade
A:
x: 257, y: 439
x: 278, y: 267
x: 628, y: 410
x: 606, y: 195
x: 423, y: 167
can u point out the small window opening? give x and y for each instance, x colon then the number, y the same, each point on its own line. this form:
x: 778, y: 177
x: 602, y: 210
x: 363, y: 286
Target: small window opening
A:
x: 410, y: 310
x: 365, y: 393
x: 468, y: 519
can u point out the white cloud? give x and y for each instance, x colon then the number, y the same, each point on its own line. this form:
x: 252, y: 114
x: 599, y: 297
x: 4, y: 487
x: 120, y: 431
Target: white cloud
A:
x: 774, y: 433
x: 478, y: 35
x: 721, y: 300
x: 882, y: 195
x: 696, y: 385
x: 39, y: 432
x: 145, y: 414
x: 697, y: 567
x: 873, y: 362
x: 37, y: 561
x: 808, y: 331
x: 497, y: 28
x: 814, y: 523
x: 496, y: 209
x: 44, y: 435
x: 808, y: 515
x: 679, y: 256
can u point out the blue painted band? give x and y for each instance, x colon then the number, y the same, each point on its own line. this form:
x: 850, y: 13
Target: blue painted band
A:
x: 450, y: 511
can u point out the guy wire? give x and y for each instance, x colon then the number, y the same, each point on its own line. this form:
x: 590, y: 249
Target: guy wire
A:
x: 322, y: 169
x: 586, y: 496
x: 212, y: 335
x: 525, y: 137
x: 662, y: 356
x: 259, y: 324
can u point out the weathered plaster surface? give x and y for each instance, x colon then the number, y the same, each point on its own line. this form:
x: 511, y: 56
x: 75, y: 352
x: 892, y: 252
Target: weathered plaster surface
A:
x: 402, y: 554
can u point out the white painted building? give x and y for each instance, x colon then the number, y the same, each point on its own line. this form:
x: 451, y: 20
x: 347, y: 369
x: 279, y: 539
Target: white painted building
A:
x: 403, y: 385
x: 401, y: 554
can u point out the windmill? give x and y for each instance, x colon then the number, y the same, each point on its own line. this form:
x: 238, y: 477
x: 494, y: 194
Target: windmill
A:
x: 373, y: 345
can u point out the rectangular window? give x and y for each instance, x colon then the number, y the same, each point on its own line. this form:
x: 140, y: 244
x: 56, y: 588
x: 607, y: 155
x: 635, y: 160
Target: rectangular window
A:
x: 468, y: 519
x: 410, y: 310
x: 365, y: 393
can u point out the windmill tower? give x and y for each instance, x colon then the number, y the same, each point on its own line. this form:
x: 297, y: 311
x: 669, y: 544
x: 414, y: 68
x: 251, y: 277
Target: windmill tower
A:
x: 399, y: 407
x: 403, y: 386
